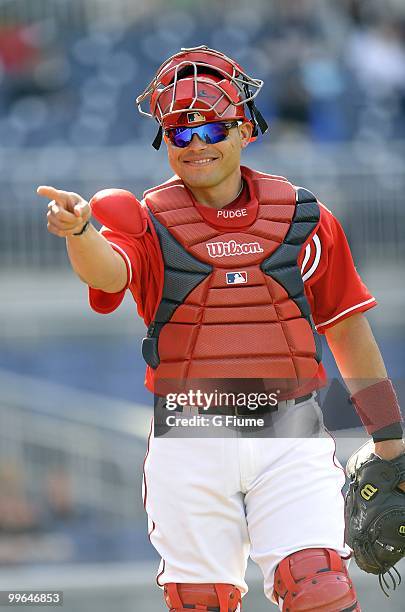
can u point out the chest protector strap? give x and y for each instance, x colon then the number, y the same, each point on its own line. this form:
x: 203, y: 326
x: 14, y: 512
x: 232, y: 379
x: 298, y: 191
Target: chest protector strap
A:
x: 183, y: 272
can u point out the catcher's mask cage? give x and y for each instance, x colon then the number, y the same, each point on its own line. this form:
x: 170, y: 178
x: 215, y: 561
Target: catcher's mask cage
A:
x: 199, y: 85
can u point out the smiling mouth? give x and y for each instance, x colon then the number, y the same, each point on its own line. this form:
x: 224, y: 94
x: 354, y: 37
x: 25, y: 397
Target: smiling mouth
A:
x: 200, y: 162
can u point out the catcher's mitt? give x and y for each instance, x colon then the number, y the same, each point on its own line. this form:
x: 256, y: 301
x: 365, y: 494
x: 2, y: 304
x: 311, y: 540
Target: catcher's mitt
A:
x: 375, y: 513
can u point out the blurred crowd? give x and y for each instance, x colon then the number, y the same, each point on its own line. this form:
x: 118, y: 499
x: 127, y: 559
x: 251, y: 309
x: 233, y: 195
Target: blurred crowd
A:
x: 26, y: 517
x: 50, y: 525
x: 333, y: 71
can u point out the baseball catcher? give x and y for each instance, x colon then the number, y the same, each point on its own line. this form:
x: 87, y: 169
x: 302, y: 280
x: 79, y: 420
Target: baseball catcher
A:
x: 236, y: 272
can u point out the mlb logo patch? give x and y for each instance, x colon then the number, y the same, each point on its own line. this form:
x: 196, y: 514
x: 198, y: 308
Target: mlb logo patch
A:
x: 236, y: 278
x: 195, y: 117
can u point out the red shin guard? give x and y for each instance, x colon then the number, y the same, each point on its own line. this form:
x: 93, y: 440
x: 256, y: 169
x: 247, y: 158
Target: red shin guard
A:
x: 223, y: 597
x: 314, y: 579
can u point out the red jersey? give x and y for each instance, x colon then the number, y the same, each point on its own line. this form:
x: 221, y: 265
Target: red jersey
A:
x: 333, y: 286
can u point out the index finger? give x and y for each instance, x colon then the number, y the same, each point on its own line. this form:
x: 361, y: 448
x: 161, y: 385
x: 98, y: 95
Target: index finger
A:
x: 66, y: 199
x: 48, y: 192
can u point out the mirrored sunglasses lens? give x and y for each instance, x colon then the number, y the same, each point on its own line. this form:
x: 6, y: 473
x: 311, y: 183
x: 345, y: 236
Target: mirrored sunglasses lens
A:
x: 214, y: 132
x: 210, y: 133
x: 180, y: 138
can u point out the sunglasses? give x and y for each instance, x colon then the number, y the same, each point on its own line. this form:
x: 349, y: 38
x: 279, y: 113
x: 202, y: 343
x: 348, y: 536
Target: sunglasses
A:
x: 210, y: 133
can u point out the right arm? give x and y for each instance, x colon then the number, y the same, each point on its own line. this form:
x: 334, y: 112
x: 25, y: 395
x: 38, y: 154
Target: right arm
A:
x: 92, y: 258
x: 95, y: 261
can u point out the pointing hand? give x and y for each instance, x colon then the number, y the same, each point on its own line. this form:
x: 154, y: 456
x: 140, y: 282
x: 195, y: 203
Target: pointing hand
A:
x: 68, y: 211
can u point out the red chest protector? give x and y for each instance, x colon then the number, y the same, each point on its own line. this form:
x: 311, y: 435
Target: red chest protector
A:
x: 233, y: 303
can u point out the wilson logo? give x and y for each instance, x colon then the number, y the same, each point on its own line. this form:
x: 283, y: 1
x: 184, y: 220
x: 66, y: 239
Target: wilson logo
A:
x: 228, y: 249
x: 368, y: 491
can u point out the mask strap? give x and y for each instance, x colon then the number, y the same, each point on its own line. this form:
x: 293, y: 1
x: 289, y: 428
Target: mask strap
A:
x: 261, y: 122
x: 158, y: 139
x: 257, y: 118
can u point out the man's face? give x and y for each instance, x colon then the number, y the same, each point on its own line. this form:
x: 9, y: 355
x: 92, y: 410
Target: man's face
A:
x: 202, y: 165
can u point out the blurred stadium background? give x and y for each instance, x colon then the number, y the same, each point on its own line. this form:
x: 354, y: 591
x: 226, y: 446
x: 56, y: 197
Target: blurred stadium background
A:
x: 73, y: 412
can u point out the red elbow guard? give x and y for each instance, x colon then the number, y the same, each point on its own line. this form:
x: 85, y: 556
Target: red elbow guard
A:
x: 119, y: 210
x: 378, y: 409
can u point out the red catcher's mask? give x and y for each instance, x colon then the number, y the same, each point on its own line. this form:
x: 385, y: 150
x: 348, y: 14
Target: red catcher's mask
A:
x: 200, y: 85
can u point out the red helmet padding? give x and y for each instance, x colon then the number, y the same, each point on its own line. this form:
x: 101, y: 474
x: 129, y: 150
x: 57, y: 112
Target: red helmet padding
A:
x: 119, y: 210
x: 230, y: 90
x: 215, y: 59
x: 314, y: 579
x: 211, y: 92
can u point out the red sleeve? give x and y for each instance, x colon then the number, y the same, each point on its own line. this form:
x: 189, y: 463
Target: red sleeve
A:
x: 333, y: 286
x: 144, y: 274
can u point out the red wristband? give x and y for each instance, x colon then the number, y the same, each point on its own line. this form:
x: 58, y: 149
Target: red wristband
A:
x: 378, y: 408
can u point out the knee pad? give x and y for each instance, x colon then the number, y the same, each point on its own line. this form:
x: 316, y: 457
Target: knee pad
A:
x: 314, y: 579
x: 186, y: 597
